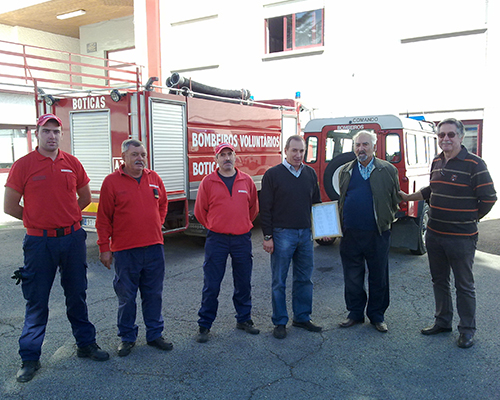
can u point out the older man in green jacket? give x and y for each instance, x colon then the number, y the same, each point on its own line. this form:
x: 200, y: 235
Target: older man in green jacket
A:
x: 369, y: 200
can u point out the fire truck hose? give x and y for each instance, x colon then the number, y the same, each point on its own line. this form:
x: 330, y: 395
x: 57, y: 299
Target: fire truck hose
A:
x: 177, y: 81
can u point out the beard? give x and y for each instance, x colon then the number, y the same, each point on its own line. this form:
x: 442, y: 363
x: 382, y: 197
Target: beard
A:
x: 362, y: 157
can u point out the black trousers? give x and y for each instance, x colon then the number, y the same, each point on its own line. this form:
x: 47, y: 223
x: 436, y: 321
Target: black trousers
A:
x: 361, y: 250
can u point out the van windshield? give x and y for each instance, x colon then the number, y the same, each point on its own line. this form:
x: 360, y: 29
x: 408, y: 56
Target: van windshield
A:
x: 339, y: 142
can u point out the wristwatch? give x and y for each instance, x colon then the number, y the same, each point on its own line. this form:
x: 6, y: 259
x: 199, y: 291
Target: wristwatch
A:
x: 268, y: 237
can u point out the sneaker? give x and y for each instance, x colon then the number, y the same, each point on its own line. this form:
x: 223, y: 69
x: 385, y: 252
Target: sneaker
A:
x: 248, y: 327
x: 125, y: 348
x: 161, y: 344
x: 202, y: 336
x: 92, y: 351
x: 28, y: 370
x: 279, y: 331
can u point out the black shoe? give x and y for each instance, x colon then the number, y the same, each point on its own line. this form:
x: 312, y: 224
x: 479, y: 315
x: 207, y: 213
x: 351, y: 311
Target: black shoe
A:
x: 161, y: 344
x: 381, y: 327
x: 202, y: 336
x: 125, y: 348
x: 434, y: 330
x: 308, y: 325
x: 248, y: 327
x: 92, y: 351
x: 465, y: 340
x: 28, y: 370
x: 350, y: 322
x: 279, y: 331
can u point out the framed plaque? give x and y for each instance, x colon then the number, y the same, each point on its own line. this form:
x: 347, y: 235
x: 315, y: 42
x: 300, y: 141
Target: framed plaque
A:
x: 325, y: 220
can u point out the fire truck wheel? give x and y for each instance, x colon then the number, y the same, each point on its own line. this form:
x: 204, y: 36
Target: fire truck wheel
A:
x: 331, y: 175
x: 422, y: 228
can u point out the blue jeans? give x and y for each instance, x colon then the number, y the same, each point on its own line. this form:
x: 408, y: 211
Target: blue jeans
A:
x: 140, y: 268
x: 42, y: 257
x: 217, y: 248
x: 296, y: 246
x: 356, y: 248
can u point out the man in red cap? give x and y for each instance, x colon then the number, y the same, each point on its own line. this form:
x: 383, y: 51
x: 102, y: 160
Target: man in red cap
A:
x: 55, y: 188
x: 226, y: 205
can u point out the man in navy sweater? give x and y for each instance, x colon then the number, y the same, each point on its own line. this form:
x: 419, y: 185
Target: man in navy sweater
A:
x: 368, y: 201
x: 288, y: 192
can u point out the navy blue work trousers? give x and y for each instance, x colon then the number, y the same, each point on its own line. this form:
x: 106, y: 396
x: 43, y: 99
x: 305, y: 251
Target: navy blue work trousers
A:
x: 42, y: 257
x: 358, y: 247
x: 143, y: 269
x: 217, y: 249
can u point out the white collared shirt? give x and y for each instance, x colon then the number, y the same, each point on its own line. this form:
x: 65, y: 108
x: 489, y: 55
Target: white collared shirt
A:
x: 292, y: 169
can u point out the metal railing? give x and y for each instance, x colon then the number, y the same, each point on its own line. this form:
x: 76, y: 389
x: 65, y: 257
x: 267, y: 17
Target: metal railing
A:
x: 30, y: 66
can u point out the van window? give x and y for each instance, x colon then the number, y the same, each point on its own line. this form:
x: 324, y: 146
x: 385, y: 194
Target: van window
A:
x: 422, y: 154
x: 417, y: 150
x: 311, y: 149
x: 392, y: 148
x: 411, y: 149
x: 433, y: 147
x: 339, y: 142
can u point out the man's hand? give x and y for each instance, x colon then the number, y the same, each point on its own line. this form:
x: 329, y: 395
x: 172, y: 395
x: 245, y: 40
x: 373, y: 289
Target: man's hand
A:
x: 106, y: 258
x: 411, y: 197
x: 268, y: 246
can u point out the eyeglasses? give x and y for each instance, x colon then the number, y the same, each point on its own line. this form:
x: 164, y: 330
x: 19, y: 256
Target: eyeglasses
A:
x: 451, y: 135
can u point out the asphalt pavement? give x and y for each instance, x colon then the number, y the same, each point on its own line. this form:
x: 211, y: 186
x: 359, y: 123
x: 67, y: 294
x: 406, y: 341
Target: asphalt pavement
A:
x: 358, y: 363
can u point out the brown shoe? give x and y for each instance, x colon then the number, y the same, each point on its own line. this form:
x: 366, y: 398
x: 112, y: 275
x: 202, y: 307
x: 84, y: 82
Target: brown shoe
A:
x: 350, y: 322
x: 381, y: 327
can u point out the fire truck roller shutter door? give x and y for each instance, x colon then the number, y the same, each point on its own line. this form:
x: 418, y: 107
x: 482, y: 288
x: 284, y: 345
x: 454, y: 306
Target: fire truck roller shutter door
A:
x: 331, y: 175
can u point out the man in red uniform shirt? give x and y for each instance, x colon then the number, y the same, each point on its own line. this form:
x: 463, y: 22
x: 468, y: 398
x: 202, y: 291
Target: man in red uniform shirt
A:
x: 55, y: 189
x: 226, y: 205
x: 132, y: 208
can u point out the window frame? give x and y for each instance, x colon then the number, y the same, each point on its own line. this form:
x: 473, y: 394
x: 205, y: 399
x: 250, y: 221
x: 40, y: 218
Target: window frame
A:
x: 285, y: 46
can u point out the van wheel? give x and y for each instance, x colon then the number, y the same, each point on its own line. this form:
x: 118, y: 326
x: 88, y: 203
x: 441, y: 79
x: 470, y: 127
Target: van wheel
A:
x: 422, y: 228
x: 331, y: 175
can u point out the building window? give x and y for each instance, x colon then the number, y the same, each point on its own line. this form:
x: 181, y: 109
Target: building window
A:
x: 115, y: 74
x: 295, y: 31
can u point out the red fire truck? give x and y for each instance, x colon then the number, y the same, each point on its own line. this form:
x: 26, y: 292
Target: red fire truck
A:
x: 180, y: 129
x: 103, y: 102
x: 408, y: 144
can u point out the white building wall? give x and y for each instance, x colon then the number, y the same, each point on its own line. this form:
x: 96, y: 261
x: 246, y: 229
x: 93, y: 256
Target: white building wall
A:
x: 18, y: 107
x: 116, y: 34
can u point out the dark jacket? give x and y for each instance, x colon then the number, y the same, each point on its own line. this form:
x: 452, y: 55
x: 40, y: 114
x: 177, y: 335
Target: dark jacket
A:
x: 384, y: 184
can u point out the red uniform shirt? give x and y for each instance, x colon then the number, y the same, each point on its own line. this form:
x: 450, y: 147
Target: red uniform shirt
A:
x: 221, y: 212
x: 49, y: 189
x: 131, y: 214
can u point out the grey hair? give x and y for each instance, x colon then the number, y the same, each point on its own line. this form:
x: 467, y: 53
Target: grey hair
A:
x: 294, y: 137
x: 371, y: 135
x: 131, y: 142
x: 458, y: 124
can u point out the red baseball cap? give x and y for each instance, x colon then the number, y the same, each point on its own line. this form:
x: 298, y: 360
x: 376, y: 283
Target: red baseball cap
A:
x: 222, y: 146
x: 47, y: 117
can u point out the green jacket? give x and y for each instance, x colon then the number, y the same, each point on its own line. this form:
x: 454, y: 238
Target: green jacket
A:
x: 384, y: 183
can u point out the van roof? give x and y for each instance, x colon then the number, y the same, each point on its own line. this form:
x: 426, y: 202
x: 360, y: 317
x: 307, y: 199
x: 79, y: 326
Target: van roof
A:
x: 384, y: 121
